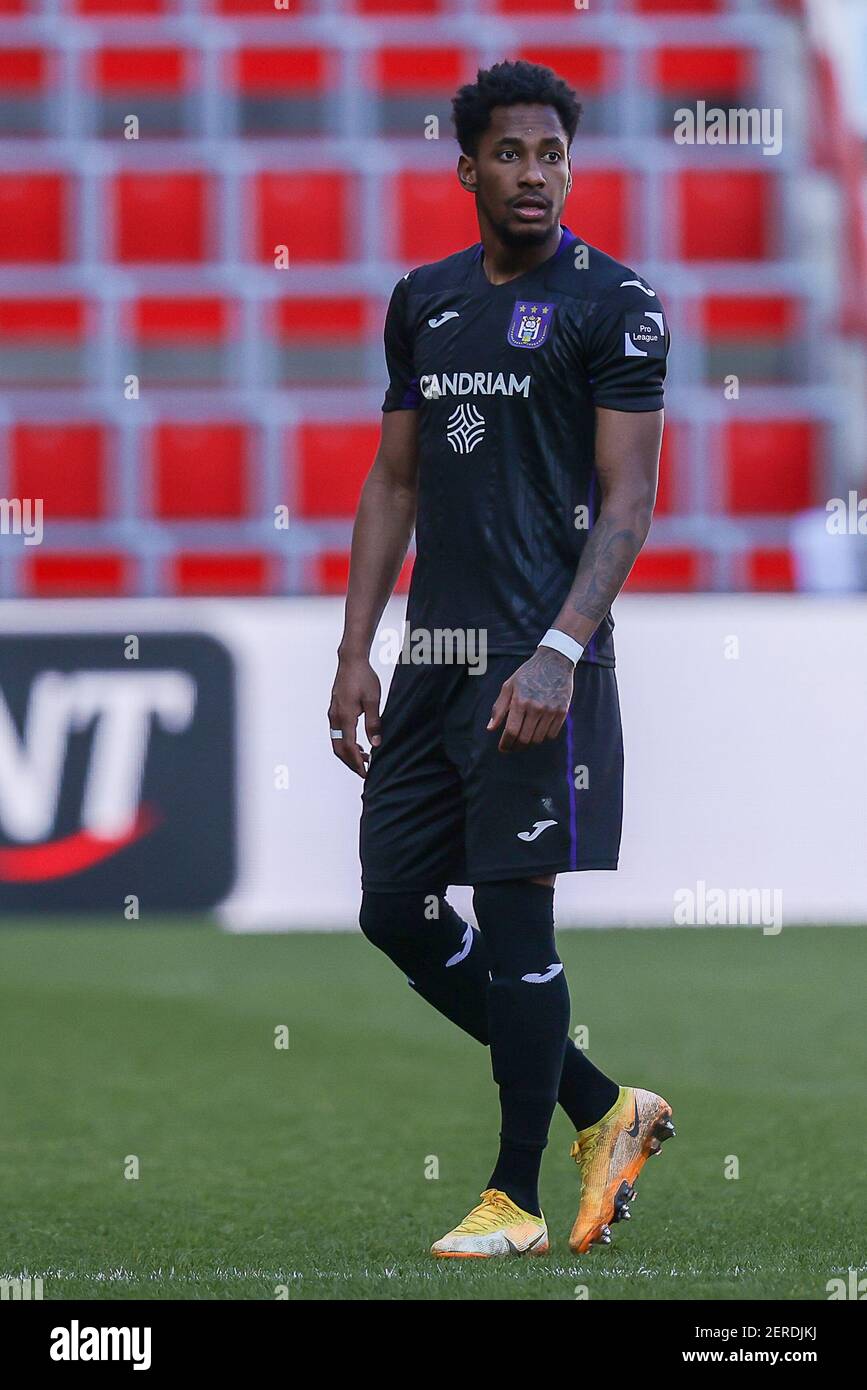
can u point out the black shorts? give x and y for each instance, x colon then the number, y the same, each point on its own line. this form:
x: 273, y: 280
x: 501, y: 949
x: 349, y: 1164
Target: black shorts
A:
x: 442, y: 805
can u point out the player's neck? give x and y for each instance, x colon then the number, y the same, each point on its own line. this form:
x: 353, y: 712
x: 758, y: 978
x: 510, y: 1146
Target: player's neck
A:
x: 502, y: 263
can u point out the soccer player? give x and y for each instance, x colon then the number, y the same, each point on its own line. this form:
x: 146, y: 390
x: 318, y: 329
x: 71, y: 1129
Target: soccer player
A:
x: 520, y: 437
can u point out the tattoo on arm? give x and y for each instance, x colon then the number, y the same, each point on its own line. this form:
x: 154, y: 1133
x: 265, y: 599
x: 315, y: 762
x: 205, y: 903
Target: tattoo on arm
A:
x: 607, y: 558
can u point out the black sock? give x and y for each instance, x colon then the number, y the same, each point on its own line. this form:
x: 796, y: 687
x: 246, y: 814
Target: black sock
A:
x: 528, y: 1021
x: 446, y: 961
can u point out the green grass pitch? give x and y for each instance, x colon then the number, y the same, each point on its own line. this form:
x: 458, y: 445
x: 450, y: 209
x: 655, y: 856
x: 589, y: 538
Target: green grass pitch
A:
x: 308, y: 1167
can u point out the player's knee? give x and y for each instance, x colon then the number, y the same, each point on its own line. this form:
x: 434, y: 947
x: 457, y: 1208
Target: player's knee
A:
x: 391, y: 920
x: 516, y: 919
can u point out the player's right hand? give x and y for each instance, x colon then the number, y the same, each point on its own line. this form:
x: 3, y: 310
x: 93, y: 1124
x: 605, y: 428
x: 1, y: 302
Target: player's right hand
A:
x: 356, y: 691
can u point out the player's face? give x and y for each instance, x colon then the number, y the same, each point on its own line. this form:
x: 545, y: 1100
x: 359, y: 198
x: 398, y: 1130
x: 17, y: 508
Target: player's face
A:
x: 520, y: 173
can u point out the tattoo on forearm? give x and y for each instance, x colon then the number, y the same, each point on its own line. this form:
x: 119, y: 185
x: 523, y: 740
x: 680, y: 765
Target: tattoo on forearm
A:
x: 607, y: 559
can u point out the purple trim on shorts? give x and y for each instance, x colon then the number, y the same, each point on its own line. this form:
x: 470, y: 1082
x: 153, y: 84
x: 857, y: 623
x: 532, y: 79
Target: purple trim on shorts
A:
x: 573, y: 814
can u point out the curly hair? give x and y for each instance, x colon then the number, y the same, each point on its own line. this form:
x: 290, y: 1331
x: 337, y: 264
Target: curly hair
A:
x: 507, y: 84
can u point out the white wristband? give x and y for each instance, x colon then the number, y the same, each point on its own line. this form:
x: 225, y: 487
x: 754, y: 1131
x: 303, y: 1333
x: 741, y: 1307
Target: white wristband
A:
x: 562, y: 642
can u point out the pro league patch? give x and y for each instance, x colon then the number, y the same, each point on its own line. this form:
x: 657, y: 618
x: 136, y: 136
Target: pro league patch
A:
x: 645, y: 335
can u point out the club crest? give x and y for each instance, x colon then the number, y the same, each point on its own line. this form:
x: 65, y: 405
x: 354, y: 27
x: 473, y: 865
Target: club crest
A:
x: 531, y: 321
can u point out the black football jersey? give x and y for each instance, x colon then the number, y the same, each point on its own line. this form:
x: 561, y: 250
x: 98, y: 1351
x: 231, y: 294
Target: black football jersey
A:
x: 506, y: 379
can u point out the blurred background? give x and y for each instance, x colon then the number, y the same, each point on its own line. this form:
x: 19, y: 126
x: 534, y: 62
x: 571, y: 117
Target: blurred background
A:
x: 204, y: 206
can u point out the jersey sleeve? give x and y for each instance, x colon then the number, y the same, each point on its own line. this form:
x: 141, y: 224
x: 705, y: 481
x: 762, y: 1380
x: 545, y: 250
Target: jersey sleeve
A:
x: 402, y: 392
x: 626, y: 349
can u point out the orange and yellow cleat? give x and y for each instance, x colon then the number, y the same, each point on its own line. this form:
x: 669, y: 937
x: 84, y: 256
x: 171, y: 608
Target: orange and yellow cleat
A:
x: 610, y: 1155
x: 495, y: 1227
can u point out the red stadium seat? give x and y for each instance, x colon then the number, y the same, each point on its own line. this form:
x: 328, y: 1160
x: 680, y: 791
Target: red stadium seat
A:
x: 253, y: 9
x: 42, y: 341
x: 13, y: 7
x: 398, y: 8
x: 223, y: 573
x: 200, y: 471
x: 412, y: 84
x: 306, y: 212
x: 669, y: 571
x: 771, y: 571
x: 64, y: 464
x: 771, y: 466
x: 182, y: 340
x: 124, y: 9
x: 78, y: 574
x: 549, y: 8
x: 333, y: 461
x: 26, y: 74
x: 34, y: 209
x: 161, y: 217
x: 598, y: 209
x: 667, y: 495
x: 589, y: 69
x: 282, y: 90
x: 594, y: 72
x: 725, y: 71
x: 725, y: 215
x: 151, y: 82
x: 678, y: 7
x: 435, y: 216
x: 405, y: 70
x: 679, y: 77
x: 759, y: 337
x: 320, y: 340
x: 331, y: 573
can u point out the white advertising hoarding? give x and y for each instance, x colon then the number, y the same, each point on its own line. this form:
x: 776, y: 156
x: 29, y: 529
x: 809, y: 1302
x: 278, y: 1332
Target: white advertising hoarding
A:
x: 746, y: 754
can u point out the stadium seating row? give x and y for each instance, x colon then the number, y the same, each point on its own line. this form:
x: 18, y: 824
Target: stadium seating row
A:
x: 115, y: 573
x: 245, y: 9
x: 332, y: 340
x: 300, y: 217
x: 269, y: 89
x: 210, y: 470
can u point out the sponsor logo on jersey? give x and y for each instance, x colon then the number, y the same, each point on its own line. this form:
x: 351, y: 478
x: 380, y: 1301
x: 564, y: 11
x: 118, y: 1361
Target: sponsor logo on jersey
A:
x: 465, y: 429
x: 443, y: 318
x: 645, y: 335
x: 530, y: 324
x: 472, y: 384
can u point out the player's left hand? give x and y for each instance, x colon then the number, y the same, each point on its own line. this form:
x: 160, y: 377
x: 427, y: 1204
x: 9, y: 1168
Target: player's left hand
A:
x: 534, y: 701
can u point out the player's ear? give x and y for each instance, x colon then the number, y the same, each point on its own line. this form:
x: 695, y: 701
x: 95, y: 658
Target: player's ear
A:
x: 466, y: 174
x: 569, y: 180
